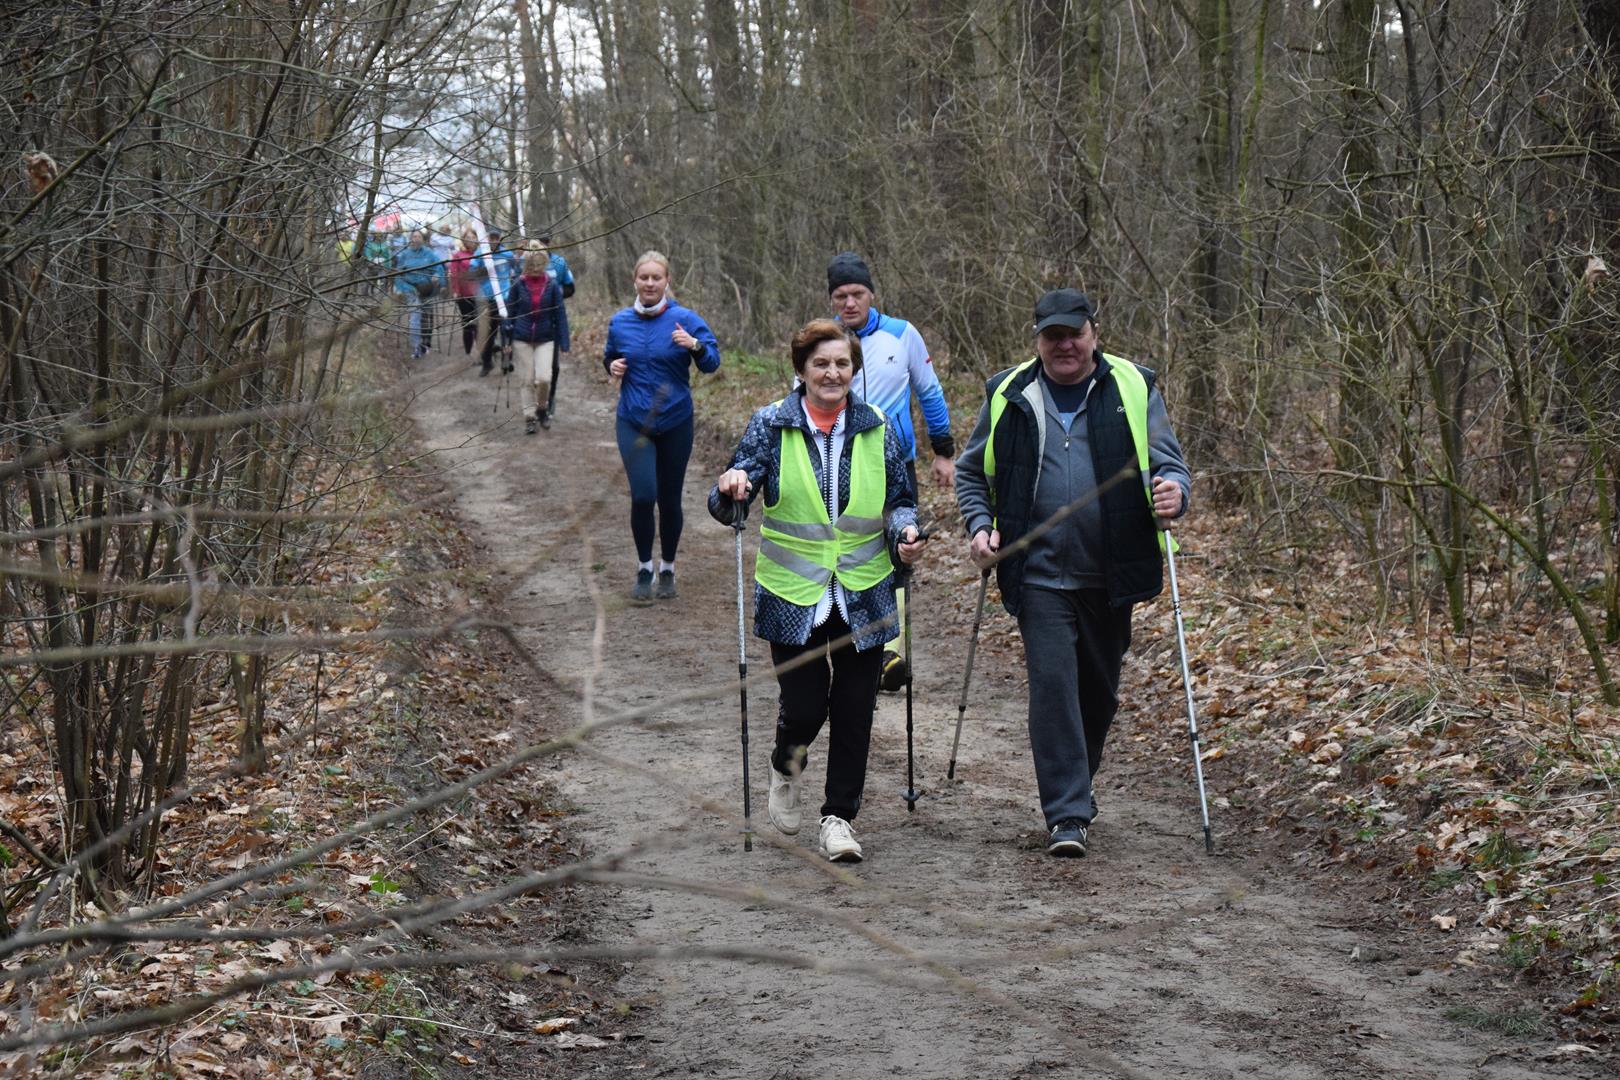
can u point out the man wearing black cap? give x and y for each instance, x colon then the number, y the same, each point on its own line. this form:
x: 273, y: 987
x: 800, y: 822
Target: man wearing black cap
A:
x: 895, y: 365
x: 1079, y: 433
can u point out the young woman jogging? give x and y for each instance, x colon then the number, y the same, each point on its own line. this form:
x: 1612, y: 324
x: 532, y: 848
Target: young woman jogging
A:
x: 651, y: 347
x: 828, y: 464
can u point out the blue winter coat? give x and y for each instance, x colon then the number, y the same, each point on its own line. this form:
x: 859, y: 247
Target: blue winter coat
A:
x: 418, y: 266
x: 657, y: 392
x: 548, y: 322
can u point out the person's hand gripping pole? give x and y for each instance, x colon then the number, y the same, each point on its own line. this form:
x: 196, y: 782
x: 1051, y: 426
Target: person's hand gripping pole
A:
x: 737, y: 489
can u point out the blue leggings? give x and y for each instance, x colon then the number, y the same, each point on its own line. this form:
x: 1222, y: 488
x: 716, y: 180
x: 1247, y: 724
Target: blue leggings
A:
x: 656, y: 466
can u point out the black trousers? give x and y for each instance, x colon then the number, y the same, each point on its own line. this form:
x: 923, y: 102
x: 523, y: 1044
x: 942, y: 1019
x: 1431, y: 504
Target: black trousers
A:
x: 468, y: 307
x: 837, y: 688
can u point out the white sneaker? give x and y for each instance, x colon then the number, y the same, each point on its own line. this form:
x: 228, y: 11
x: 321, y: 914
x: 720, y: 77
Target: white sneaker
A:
x: 783, y: 803
x: 838, y: 840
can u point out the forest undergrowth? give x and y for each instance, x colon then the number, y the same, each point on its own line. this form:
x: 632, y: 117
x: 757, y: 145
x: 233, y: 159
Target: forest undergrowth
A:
x: 356, y: 730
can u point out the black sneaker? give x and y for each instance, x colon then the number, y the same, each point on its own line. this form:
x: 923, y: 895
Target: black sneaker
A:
x: 894, y: 671
x: 530, y: 426
x: 643, y: 586
x: 545, y: 419
x: 1068, y: 839
x: 483, y: 371
x: 666, y: 585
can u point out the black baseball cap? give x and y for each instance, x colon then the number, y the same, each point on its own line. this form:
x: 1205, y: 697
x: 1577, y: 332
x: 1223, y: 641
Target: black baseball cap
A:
x: 1063, y: 307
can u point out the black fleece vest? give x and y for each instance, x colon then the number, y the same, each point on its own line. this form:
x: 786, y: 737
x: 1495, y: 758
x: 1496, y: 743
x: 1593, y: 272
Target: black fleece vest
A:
x: 1134, y: 568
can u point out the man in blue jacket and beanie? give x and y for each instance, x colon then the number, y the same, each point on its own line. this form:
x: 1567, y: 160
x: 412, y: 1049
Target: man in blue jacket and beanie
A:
x: 897, y: 366
x: 493, y: 333
x: 1079, y: 441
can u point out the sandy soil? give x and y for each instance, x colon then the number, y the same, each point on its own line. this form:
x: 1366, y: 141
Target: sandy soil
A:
x: 958, y: 949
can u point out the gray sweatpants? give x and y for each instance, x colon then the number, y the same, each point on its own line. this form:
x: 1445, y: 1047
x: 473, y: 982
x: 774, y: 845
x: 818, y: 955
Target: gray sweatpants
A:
x: 1074, y: 644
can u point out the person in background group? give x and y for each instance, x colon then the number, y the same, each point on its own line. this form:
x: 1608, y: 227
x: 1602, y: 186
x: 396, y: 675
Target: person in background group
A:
x: 559, y: 267
x: 492, y: 329
x: 443, y: 245
x: 464, y: 289
x: 652, y: 346
x: 418, y: 276
x: 1052, y: 435
x: 829, y: 464
x: 377, y: 253
x: 897, y: 365
x: 539, y: 329
x: 564, y: 278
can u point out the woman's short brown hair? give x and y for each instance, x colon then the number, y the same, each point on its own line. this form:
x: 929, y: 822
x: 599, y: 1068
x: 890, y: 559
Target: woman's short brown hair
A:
x: 813, y: 333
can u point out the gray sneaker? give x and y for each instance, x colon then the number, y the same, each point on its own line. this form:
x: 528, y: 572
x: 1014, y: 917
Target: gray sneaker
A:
x: 643, y: 586
x: 666, y: 585
x: 1068, y: 840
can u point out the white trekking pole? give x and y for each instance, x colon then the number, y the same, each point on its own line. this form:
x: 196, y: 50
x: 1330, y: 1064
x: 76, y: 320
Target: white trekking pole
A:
x: 492, y: 275
x: 1186, y: 682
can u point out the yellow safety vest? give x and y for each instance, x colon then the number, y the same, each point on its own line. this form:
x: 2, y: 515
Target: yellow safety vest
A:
x: 801, y: 547
x: 1133, y: 394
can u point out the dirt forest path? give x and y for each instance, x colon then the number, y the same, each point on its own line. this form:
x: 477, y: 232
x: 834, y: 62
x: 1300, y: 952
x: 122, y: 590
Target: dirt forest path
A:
x: 957, y: 949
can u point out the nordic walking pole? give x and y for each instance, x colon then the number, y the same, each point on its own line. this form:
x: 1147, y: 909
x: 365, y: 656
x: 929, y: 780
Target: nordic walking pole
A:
x: 742, y: 679
x: 910, y: 795
x: 1186, y: 682
x: 967, y: 674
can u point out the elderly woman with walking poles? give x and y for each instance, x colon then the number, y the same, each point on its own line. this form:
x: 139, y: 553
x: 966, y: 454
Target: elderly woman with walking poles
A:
x: 828, y: 465
x: 652, y: 346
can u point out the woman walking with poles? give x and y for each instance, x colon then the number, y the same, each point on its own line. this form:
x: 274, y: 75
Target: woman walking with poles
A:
x: 651, y: 347
x: 534, y: 307
x: 828, y: 464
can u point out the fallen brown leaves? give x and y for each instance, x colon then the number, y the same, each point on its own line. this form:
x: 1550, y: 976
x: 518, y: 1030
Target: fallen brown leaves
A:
x: 1468, y: 784
x: 355, y: 732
